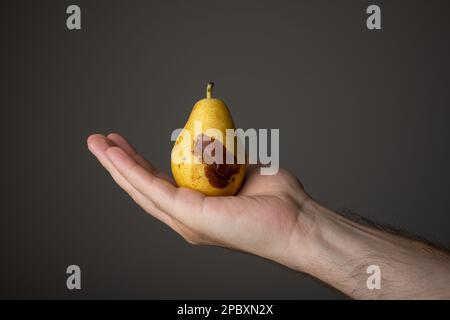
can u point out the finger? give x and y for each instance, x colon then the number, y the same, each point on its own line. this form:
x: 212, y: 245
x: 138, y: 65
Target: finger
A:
x: 177, y: 202
x: 131, y: 151
x: 98, y: 144
x: 138, y: 197
x: 123, y: 143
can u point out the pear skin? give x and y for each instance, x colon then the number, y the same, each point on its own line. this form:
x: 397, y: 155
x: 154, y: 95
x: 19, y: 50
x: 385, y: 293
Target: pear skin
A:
x: 201, y: 173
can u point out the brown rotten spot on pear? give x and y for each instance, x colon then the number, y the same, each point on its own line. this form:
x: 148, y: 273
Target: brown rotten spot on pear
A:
x: 219, y: 173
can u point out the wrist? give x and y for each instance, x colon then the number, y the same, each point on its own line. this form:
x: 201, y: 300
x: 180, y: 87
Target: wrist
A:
x: 308, y: 238
x: 329, y: 247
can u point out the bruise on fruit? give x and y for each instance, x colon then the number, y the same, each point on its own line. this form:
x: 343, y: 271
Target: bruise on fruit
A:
x: 218, y: 174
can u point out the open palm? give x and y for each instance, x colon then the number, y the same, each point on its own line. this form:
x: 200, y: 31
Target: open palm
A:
x: 260, y: 219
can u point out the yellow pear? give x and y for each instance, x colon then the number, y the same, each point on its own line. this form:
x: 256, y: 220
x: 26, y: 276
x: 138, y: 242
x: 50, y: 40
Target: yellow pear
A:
x: 202, y: 144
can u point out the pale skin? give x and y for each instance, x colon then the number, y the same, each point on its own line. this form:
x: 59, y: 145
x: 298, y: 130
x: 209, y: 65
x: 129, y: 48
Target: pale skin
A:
x: 273, y: 217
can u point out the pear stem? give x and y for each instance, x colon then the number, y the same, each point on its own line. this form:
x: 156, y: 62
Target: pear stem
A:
x: 209, y: 88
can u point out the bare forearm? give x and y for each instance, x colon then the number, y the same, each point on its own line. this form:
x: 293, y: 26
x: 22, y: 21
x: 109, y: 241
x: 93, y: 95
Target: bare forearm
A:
x: 339, y: 252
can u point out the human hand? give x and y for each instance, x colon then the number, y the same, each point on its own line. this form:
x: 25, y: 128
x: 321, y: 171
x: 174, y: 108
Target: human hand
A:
x: 273, y: 217
x: 264, y: 218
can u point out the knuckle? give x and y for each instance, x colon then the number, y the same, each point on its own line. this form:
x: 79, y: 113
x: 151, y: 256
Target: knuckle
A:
x: 134, y: 197
x: 191, y: 239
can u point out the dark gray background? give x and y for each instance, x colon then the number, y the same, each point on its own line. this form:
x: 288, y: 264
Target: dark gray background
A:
x: 362, y: 115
